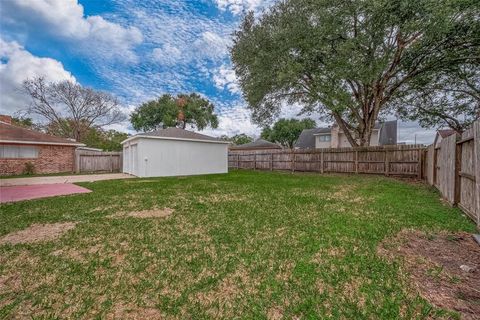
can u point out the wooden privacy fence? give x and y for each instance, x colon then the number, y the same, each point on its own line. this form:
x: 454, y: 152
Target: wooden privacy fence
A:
x: 453, y: 167
x: 97, y: 161
x: 401, y: 160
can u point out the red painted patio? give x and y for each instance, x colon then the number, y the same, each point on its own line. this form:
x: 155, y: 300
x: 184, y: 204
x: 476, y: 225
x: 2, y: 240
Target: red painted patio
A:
x: 18, y: 193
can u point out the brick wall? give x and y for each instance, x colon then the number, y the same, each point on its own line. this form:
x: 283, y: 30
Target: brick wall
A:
x: 51, y: 159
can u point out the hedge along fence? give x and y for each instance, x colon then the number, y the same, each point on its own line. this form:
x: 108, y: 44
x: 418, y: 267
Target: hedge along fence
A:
x: 453, y: 167
x: 400, y: 160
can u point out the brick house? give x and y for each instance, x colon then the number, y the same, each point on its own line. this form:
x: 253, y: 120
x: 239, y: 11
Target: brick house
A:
x: 47, y: 154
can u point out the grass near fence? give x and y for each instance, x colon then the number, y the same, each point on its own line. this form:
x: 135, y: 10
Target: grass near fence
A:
x: 242, y: 245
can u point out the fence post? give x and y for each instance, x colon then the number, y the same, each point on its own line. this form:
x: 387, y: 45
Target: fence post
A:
x: 387, y: 164
x: 238, y: 161
x: 111, y: 162
x: 419, y: 173
x: 476, y: 161
x: 321, y: 162
x: 255, y: 161
x: 458, y: 166
x: 293, y: 161
x: 271, y: 161
x: 356, y: 161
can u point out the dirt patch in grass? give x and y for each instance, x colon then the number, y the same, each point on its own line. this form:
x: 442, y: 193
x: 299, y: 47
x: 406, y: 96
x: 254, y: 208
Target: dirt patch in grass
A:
x: 220, y: 301
x: 444, y: 268
x: 275, y: 313
x: 124, y: 311
x: 155, y: 213
x: 218, y: 198
x: 38, y: 233
x: 145, y: 214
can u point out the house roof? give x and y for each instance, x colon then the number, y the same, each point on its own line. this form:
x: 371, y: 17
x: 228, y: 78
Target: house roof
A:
x: 13, y: 134
x: 257, y: 144
x: 306, y: 140
x: 176, y: 134
x: 445, y: 132
x: 388, y: 134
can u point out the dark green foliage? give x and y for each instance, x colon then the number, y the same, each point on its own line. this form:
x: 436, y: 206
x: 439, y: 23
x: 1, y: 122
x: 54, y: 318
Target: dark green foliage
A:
x: 109, y: 140
x: 238, y: 139
x: 450, y: 99
x: 24, y: 122
x: 350, y: 61
x: 170, y: 111
x: 287, y: 131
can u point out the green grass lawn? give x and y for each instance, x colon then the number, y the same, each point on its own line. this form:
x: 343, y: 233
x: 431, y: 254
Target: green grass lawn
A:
x: 247, y: 244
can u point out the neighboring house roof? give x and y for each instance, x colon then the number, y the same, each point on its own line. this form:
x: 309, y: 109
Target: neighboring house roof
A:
x: 89, y: 149
x: 306, y: 140
x: 257, y: 144
x: 445, y: 132
x: 176, y: 134
x: 388, y: 134
x: 14, y: 134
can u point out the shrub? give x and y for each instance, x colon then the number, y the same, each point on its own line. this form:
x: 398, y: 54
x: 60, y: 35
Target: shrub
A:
x: 29, y: 168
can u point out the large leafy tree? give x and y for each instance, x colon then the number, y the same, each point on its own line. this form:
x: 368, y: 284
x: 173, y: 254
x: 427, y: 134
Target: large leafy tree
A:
x: 287, y: 131
x: 349, y: 60
x: 170, y: 111
x: 450, y: 100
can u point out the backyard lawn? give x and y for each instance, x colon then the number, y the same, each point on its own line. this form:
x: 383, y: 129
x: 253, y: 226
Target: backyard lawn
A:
x: 242, y: 245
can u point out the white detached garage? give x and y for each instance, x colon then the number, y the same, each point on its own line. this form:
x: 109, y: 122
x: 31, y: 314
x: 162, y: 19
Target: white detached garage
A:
x: 174, y: 152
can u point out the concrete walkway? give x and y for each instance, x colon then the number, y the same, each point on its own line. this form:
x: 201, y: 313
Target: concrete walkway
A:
x: 62, y: 179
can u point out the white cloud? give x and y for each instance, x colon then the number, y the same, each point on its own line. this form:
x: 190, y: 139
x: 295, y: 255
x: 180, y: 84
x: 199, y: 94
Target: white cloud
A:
x: 16, y: 65
x: 208, y: 46
x: 239, y: 6
x: 167, y: 55
x: 225, y: 78
x: 234, y: 120
x: 65, y: 19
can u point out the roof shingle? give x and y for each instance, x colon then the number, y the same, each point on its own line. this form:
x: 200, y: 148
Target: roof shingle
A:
x: 177, y: 133
x: 257, y: 144
x: 11, y: 133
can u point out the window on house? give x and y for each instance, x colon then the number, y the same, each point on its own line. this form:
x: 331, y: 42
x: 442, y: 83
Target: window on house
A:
x: 15, y: 152
x: 325, y: 138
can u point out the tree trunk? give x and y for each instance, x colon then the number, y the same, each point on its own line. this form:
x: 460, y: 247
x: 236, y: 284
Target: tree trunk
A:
x: 347, y: 132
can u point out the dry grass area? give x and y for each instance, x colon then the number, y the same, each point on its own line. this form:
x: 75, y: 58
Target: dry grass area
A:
x: 444, y: 268
x: 154, y: 213
x: 250, y: 245
x: 37, y: 233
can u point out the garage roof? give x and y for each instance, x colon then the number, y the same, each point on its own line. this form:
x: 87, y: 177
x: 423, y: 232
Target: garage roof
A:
x: 176, y: 134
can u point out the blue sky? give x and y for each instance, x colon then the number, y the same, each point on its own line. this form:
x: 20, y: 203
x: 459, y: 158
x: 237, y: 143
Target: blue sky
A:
x: 134, y: 49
